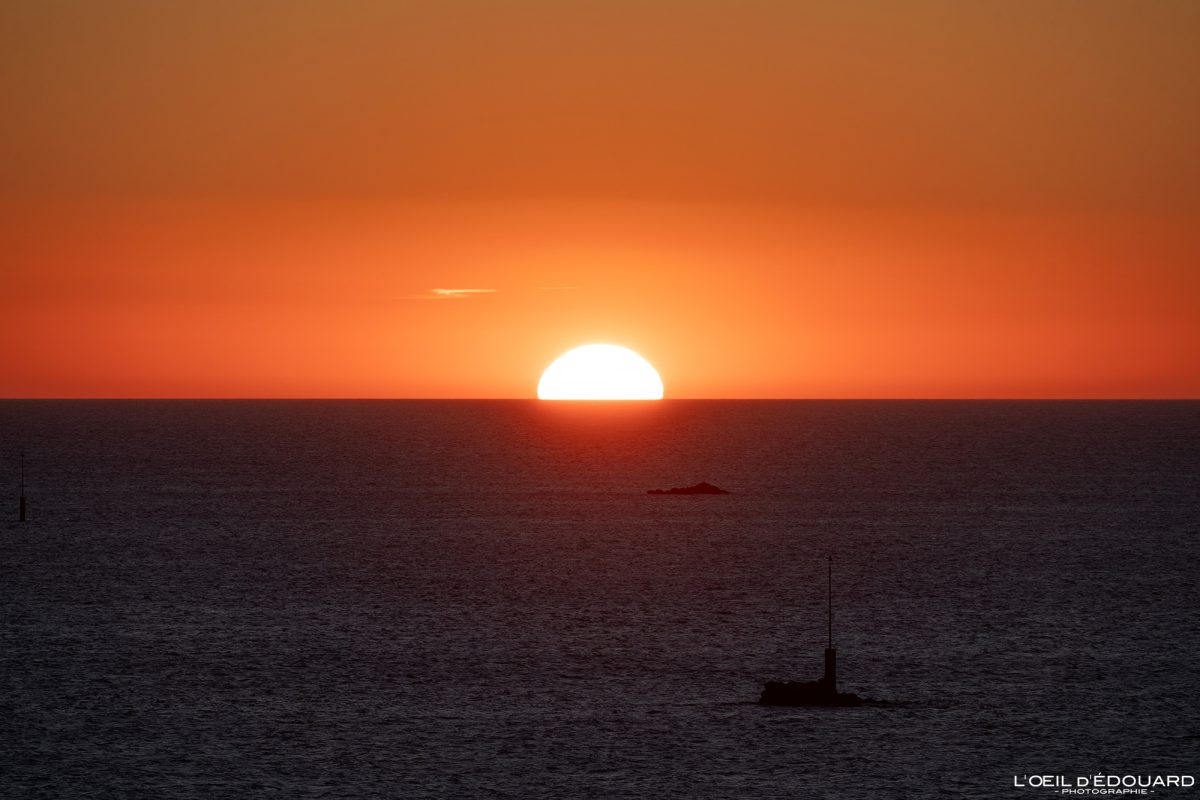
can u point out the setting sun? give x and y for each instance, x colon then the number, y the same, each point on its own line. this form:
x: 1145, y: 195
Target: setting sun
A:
x: 600, y: 372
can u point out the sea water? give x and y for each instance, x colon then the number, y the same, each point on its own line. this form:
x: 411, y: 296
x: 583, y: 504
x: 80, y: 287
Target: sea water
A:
x: 478, y: 599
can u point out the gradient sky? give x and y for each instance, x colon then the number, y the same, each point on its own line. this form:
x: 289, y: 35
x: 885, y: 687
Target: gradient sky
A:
x: 765, y: 199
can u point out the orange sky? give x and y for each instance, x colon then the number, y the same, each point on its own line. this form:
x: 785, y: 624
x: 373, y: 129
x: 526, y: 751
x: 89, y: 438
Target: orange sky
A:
x: 765, y: 199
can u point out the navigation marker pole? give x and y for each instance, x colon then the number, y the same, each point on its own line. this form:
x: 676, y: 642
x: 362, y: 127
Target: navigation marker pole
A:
x: 830, y: 653
x: 22, y: 486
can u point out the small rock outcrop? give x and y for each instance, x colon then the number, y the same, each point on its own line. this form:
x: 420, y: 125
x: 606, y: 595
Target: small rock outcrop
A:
x: 807, y: 693
x: 699, y: 488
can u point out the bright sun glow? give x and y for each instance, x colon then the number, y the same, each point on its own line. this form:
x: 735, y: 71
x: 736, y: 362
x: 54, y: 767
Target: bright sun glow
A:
x: 600, y: 372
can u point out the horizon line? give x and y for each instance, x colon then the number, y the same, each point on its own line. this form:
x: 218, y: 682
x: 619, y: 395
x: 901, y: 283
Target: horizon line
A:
x: 343, y: 399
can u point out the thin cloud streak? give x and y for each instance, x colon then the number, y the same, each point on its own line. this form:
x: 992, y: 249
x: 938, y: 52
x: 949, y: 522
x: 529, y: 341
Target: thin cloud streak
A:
x: 450, y: 294
x: 457, y: 293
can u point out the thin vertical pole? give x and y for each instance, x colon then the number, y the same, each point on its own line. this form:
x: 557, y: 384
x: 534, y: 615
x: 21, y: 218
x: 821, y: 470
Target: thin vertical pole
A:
x: 830, y: 600
x: 22, y: 514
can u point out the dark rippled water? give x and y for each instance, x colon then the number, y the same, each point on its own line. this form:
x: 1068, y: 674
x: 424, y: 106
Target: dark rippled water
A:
x: 478, y: 599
